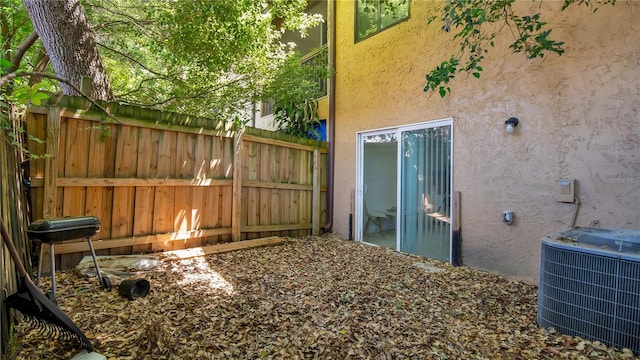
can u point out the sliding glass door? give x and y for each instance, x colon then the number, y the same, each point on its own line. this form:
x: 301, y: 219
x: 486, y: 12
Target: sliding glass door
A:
x: 404, y: 188
x: 426, y: 188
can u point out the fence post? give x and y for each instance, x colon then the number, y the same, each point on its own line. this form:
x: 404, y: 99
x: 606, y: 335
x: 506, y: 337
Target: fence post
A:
x: 86, y: 85
x: 236, y: 203
x: 50, y: 178
x: 51, y: 162
x: 315, y: 196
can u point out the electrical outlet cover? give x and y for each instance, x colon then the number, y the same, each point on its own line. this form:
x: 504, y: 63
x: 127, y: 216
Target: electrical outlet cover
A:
x: 565, y: 190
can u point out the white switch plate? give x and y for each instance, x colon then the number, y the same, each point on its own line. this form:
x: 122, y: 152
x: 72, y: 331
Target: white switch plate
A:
x: 565, y: 190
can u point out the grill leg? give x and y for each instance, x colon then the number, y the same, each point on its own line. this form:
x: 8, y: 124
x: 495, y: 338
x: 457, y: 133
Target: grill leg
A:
x: 95, y: 261
x: 53, y: 274
x: 39, y: 265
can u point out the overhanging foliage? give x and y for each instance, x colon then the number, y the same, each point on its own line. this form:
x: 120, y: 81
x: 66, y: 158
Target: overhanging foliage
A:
x: 477, y: 23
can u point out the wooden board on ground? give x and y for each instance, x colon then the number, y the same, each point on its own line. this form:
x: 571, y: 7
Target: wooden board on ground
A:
x: 221, y: 248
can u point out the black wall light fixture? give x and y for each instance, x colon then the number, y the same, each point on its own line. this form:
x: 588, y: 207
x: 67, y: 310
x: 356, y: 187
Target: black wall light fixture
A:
x: 511, y: 124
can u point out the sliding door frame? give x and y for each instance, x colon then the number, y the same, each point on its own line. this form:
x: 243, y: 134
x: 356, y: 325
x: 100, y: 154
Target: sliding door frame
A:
x: 359, y: 193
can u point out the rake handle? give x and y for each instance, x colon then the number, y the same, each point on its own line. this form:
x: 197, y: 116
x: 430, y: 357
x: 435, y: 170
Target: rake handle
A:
x: 12, y: 250
x: 38, y: 306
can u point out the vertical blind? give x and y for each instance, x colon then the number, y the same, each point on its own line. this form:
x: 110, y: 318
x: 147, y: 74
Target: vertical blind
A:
x: 425, y: 194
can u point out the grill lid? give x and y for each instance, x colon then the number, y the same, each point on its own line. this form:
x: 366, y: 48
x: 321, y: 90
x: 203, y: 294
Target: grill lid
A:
x: 66, y: 228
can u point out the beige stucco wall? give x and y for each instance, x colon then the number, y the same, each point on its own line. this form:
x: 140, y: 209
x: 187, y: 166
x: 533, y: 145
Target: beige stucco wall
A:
x: 579, y: 118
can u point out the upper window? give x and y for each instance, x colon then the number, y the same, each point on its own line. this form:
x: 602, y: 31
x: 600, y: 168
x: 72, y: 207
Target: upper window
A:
x: 315, y: 37
x: 373, y: 16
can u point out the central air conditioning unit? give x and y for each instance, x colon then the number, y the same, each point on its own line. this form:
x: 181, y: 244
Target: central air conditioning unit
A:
x: 590, y: 285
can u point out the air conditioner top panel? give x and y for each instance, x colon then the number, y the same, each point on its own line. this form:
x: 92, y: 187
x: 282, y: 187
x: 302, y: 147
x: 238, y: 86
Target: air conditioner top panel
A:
x: 610, y: 240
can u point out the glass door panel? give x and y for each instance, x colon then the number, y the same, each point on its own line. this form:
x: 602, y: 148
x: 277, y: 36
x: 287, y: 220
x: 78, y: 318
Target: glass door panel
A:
x: 379, y: 188
x: 425, y: 173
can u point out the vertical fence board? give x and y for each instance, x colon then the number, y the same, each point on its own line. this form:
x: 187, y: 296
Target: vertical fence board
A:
x: 201, y: 156
x: 217, y: 154
x: 294, y: 212
x: 95, y: 202
x: 265, y: 194
x: 228, y: 157
x: 315, y: 207
x: 274, y: 194
x: 210, y: 216
x: 163, y: 210
x: 183, y: 194
x: 236, y: 205
x: 251, y: 171
x: 147, y: 154
x: 102, y: 152
x: 37, y: 129
x: 308, y: 195
x: 163, y: 214
x: 214, y: 204
x: 227, y: 194
x: 75, y: 162
x: 123, y: 197
x: 226, y: 216
x: 50, y: 192
x: 62, y: 140
x: 285, y: 199
x: 36, y: 196
x: 51, y: 163
x: 305, y: 203
x: 305, y: 200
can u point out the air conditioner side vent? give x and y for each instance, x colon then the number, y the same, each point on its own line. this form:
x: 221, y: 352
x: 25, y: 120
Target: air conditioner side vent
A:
x: 590, y: 292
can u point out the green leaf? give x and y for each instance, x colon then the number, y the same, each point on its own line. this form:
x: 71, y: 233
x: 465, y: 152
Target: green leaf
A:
x: 4, y: 64
x: 471, y: 19
x: 36, y: 99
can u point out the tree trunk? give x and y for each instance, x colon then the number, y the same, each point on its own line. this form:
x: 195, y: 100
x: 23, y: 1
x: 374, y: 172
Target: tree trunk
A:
x: 69, y: 41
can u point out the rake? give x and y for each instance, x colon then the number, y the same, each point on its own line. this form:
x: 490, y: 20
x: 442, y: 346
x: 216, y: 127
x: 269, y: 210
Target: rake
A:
x: 36, y: 307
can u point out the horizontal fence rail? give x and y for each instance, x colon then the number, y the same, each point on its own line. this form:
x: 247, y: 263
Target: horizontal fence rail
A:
x: 161, y: 181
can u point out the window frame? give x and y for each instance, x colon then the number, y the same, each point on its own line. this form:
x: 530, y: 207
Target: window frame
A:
x: 380, y: 29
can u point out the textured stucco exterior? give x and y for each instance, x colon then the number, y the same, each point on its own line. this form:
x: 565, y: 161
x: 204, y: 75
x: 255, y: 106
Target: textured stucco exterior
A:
x: 579, y: 118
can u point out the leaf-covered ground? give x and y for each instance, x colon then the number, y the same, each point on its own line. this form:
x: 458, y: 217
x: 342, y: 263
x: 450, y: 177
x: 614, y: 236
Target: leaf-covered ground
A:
x: 317, y: 297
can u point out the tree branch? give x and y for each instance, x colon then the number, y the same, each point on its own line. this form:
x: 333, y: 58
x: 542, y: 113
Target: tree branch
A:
x: 194, y: 96
x: 5, y: 79
x: 139, y: 23
x: 21, y: 50
x: 128, y: 57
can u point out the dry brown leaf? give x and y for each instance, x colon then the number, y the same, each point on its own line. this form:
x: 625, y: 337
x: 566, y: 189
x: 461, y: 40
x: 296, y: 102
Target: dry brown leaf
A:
x: 314, y: 298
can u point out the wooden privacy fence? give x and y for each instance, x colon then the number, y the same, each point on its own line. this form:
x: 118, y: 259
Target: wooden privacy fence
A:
x: 164, y: 181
